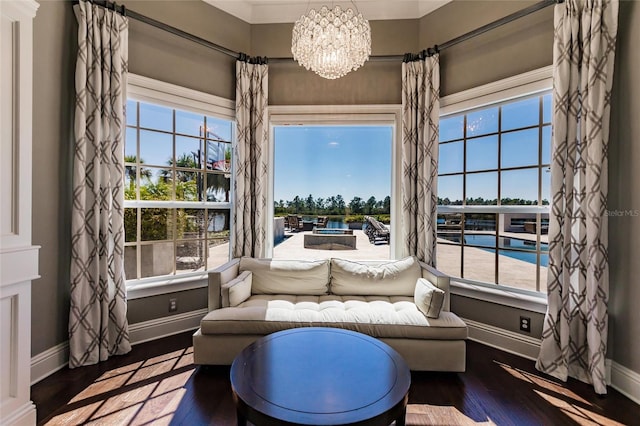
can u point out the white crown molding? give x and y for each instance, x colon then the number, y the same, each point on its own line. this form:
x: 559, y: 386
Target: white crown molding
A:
x: 288, y: 11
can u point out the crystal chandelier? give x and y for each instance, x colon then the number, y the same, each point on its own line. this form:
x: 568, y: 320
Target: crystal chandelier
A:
x: 331, y: 42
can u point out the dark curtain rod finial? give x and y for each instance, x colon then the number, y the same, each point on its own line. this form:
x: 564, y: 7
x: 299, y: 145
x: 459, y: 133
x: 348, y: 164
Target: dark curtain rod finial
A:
x: 256, y: 60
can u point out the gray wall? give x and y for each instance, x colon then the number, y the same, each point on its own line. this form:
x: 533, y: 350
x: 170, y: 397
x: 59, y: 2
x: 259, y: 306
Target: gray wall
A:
x: 160, y: 55
x: 624, y: 193
x: 53, y: 77
x: 374, y: 83
x: 152, y: 53
x: 510, y: 50
x: 523, y: 45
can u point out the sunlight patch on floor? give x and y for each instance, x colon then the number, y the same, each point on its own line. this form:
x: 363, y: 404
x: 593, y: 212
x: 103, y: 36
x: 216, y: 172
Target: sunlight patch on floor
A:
x: 578, y: 414
x: 141, y: 393
x: 425, y: 414
x: 572, y: 405
x: 543, y: 383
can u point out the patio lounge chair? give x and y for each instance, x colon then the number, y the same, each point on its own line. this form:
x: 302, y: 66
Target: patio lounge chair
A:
x: 322, y: 222
x: 376, y: 231
x: 295, y: 223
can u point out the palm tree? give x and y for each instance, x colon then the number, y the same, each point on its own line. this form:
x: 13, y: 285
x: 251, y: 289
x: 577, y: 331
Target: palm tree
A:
x: 356, y: 205
x: 130, y: 170
x: 310, y: 204
x: 370, y: 205
x: 297, y: 203
x: 340, y: 203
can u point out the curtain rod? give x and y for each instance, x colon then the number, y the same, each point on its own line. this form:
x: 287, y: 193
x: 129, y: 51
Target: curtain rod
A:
x: 376, y: 58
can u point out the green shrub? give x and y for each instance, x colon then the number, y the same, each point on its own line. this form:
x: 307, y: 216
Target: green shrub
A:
x: 354, y: 218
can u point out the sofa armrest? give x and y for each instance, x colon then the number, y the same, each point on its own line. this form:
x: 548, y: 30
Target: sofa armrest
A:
x: 440, y: 280
x: 219, y: 276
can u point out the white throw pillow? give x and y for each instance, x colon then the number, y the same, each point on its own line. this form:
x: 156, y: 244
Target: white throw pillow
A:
x: 428, y: 298
x: 301, y: 277
x: 237, y: 290
x: 395, y: 278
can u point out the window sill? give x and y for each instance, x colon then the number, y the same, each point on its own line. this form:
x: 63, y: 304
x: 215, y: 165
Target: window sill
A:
x: 137, y: 289
x: 503, y: 296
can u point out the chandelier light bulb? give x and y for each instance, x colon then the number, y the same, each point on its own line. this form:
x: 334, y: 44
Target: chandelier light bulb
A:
x: 331, y: 42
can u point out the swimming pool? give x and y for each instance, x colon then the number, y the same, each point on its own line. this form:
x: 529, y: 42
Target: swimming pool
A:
x: 487, y: 242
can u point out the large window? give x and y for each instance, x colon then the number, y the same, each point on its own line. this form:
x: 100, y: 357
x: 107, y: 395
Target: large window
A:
x: 177, y: 190
x: 493, y: 192
x: 332, y: 180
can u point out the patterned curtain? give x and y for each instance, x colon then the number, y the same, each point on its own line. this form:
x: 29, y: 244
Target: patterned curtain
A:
x: 98, y: 318
x: 574, y: 338
x: 420, y: 118
x: 251, y: 168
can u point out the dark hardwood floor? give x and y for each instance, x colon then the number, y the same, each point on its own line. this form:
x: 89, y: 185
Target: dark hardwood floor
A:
x: 157, y: 384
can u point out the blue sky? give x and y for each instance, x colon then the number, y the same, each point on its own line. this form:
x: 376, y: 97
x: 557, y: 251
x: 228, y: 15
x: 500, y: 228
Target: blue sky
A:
x: 356, y: 160
x: 156, y: 149
x: 519, y: 148
x: 330, y: 160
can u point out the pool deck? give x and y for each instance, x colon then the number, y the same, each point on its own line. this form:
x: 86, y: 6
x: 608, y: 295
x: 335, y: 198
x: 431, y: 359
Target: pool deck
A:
x: 293, y: 248
x: 479, y: 264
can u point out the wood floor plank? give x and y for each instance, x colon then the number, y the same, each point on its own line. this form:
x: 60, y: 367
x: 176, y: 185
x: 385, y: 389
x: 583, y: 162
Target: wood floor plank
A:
x: 157, y: 384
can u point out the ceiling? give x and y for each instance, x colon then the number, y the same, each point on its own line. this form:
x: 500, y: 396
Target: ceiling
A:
x: 280, y: 11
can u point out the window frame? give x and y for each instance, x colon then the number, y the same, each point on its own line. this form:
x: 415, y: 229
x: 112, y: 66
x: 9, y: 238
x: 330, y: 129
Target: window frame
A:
x: 144, y: 89
x: 337, y: 115
x: 501, y: 91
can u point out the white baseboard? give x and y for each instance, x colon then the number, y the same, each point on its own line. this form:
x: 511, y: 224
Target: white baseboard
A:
x: 505, y: 340
x: 48, y: 362
x: 162, y: 327
x: 53, y: 359
x: 625, y: 381
x: 24, y: 415
x: 622, y: 379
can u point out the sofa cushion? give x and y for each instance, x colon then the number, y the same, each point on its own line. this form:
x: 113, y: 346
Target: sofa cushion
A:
x: 428, y: 298
x: 287, y: 276
x: 377, y: 316
x: 396, y: 278
x: 237, y: 290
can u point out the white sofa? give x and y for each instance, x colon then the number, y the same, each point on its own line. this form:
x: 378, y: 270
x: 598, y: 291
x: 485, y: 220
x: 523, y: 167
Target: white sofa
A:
x: 390, y: 300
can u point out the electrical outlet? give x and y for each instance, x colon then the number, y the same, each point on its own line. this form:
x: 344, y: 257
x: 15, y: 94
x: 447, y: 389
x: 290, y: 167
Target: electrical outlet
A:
x: 525, y: 324
x: 173, y: 305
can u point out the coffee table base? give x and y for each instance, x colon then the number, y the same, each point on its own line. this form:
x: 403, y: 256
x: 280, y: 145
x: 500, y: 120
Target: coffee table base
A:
x: 246, y: 414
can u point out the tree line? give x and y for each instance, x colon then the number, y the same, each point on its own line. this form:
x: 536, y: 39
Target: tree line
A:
x: 333, y: 205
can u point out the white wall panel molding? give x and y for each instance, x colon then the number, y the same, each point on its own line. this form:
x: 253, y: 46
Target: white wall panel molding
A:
x: 18, y: 258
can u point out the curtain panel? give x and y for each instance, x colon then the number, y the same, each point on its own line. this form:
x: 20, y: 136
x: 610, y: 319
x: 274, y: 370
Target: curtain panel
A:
x: 98, y: 316
x: 420, y: 118
x: 574, y: 338
x: 251, y: 159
